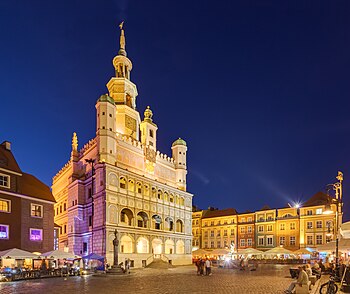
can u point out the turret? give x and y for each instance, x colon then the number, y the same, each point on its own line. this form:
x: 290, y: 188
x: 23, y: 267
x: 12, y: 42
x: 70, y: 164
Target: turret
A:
x: 106, y: 129
x: 75, y: 157
x: 179, y: 148
x: 149, y: 130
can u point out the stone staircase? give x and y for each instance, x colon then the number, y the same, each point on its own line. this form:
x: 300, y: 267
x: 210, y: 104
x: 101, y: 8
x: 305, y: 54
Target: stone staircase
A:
x: 159, y: 264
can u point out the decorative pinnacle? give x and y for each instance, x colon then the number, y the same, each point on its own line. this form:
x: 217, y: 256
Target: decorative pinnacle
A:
x: 75, y: 142
x: 148, y: 114
x: 122, y: 40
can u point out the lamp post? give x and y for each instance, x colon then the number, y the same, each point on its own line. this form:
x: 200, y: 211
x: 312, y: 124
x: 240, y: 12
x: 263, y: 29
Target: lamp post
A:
x: 338, y: 188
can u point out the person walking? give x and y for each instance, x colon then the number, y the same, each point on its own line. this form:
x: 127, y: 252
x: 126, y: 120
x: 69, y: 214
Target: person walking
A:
x: 207, y: 267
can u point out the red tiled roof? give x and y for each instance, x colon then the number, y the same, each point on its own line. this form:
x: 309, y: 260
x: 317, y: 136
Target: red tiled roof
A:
x: 319, y: 198
x: 33, y: 187
x: 265, y: 207
x: 218, y: 213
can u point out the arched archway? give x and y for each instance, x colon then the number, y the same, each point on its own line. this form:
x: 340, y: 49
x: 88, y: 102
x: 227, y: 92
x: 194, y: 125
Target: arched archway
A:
x: 169, y: 246
x: 142, y: 219
x: 126, y: 244
x: 142, y: 245
x: 169, y: 224
x: 180, y: 247
x: 156, y: 222
x: 157, y: 246
x: 126, y: 217
x: 131, y: 185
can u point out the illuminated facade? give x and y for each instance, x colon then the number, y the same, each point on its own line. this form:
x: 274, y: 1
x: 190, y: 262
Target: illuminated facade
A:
x: 119, y: 180
x: 290, y: 227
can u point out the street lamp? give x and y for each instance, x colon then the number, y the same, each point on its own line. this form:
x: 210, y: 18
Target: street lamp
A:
x: 338, y: 188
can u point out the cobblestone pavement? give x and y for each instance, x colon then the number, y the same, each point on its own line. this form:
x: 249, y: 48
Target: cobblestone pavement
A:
x: 267, y: 279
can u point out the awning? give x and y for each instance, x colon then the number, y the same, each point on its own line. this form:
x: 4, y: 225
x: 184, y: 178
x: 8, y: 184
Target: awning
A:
x: 57, y: 254
x: 277, y: 250
x: 15, y: 253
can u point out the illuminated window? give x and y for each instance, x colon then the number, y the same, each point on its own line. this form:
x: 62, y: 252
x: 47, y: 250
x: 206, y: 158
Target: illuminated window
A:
x: 319, y: 239
x: 319, y: 211
x: 249, y: 242
x: 309, y: 225
x: 242, y: 242
x: 36, y: 235
x: 5, y: 205
x: 292, y: 240
x: 319, y: 224
x: 282, y: 240
x: 4, y: 181
x: 4, y: 232
x: 36, y: 210
x: 309, y: 240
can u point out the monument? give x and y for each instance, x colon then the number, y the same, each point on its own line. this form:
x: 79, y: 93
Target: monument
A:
x: 116, y: 268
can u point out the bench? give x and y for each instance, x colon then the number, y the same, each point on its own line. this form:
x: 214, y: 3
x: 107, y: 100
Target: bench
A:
x: 303, y: 288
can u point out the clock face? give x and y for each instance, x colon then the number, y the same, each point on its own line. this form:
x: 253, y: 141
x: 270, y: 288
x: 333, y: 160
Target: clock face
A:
x: 130, y: 123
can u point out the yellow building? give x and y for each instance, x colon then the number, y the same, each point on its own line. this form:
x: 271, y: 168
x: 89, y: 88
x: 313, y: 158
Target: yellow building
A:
x: 287, y: 228
x: 265, y: 228
x: 317, y: 228
x: 197, y: 229
x: 219, y: 228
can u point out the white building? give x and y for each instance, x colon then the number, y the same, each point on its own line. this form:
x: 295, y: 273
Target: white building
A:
x: 119, y: 180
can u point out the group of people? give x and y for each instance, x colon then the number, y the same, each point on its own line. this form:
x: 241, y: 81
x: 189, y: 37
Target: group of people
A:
x: 204, y: 264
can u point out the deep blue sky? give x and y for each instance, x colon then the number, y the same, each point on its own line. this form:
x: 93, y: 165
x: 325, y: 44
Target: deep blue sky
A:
x: 259, y: 89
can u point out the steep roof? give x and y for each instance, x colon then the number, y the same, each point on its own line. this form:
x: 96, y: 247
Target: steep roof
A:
x: 319, y: 198
x: 218, y: 213
x: 31, y: 186
x: 265, y: 207
x: 7, y: 160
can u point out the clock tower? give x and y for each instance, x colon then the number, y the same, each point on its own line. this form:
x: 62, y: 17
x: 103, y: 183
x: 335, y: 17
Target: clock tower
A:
x: 124, y: 93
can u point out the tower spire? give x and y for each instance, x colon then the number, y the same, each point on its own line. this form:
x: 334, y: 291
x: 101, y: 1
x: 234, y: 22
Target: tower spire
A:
x: 122, y: 40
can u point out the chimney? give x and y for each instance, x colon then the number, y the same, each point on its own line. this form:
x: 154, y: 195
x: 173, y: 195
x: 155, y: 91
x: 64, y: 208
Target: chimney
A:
x: 7, y: 145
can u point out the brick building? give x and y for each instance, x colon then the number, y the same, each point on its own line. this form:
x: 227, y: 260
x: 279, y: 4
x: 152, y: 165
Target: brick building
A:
x: 26, y: 207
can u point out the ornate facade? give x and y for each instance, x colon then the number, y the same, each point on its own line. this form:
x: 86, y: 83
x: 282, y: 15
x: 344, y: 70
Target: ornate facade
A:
x: 119, y: 180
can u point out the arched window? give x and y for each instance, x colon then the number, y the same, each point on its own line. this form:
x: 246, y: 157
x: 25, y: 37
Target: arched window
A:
x: 166, y: 196
x: 142, y: 219
x: 171, y: 198
x: 160, y: 195
x: 122, y: 183
x: 169, y: 247
x: 154, y: 192
x: 177, y: 200
x: 182, y: 201
x: 146, y: 190
x: 169, y: 223
x: 126, y: 216
x: 180, y: 247
x: 138, y: 187
x: 131, y: 185
x: 156, y: 222
x: 142, y: 245
x: 179, y: 226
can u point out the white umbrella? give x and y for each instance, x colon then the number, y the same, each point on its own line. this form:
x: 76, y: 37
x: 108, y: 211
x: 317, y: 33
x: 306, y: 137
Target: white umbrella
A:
x: 219, y: 252
x: 15, y: 253
x: 278, y: 250
x: 200, y: 252
x: 57, y: 254
x: 250, y: 251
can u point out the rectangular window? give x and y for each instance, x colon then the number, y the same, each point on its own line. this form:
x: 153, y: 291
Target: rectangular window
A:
x: 269, y: 240
x: 212, y: 223
x: 282, y: 240
x: 225, y: 233
x: 218, y: 223
x: 5, y: 205
x: 243, y: 219
x: 269, y: 218
x: 292, y: 226
x: 260, y: 228
x: 151, y: 133
x: 211, y: 233
x: 219, y: 244
x: 218, y: 234
x: 319, y: 211
x: 242, y: 229
x: 4, y: 232
x: 36, y: 234
x: 292, y: 240
x: 282, y: 227
x: 249, y: 242
x: 261, y: 241
x: 85, y: 246
x: 319, y: 224
x: 269, y: 228
x: 242, y: 242
x: 4, y: 181
x: 206, y: 234
x: 309, y: 225
x: 205, y: 244
x: 319, y: 239
x: 232, y: 232
x: 90, y: 220
x: 64, y: 206
x: 249, y: 219
x: 249, y: 229
x: 309, y: 240
x: 212, y: 244
x: 309, y: 212
x: 36, y: 210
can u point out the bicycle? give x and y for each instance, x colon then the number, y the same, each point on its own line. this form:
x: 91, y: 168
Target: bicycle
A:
x: 330, y: 287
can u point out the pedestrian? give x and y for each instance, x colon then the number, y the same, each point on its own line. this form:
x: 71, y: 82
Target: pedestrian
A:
x: 208, y: 267
x: 202, y: 265
x: 198, y: 265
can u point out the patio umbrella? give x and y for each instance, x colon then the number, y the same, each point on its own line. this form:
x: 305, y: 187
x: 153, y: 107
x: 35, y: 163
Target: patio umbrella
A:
x: 219, y: 252
x: 200, y: 252
x: 93, y: 256
x: 344, y: 245
x: 57, y: 254
x: 278, y: 250
x: 250, y: 251
x: 302, y: 251
x: 15, y: 253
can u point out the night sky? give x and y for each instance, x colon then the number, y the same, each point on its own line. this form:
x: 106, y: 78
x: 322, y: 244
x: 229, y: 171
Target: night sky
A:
x: 260, y: 90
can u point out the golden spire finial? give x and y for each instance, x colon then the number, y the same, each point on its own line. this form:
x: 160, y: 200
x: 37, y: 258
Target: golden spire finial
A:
x: 75, y: 142
x: 122, y: 40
